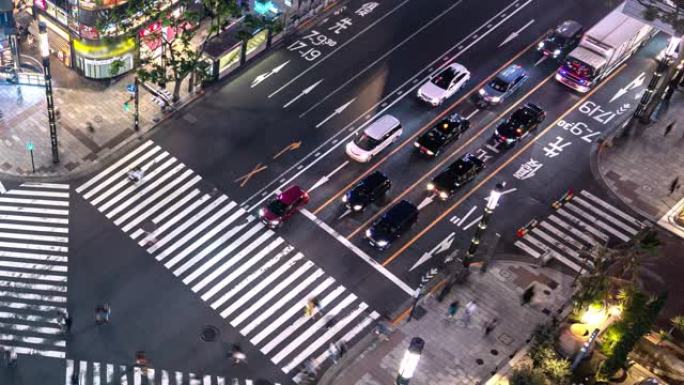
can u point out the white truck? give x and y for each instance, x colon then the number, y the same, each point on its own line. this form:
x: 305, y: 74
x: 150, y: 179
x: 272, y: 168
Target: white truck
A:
x: 602, y: 49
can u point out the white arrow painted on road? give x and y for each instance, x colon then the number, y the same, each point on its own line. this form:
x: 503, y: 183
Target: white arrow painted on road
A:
x: 304, y: 92
x: 2, y: 189
x: 440, y: 248
x: 515, y: 34
x: 541, y: 60
x: 338, y: 111
x: 326, y: 178
x: 344, y: 214
x: 638, y: 81
x: 426, y: 202
x: 260, y: 78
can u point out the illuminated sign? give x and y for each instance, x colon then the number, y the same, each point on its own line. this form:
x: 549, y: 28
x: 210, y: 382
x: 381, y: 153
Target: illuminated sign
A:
x: 97, y: 51
x: 42, y: 4
x: 264, y: 7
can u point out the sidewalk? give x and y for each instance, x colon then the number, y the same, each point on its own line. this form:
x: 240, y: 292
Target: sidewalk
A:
x: 454, y: 353
x: 82, y: 103
x: 642, y: 164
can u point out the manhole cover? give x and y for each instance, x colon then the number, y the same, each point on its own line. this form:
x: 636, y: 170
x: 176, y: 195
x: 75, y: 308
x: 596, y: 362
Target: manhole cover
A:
x: 505, y: 273
x: 97, y: 118
x: 479, y: 361
x: 505, y: 339
x: 494, y: 352
x: 209, y: 333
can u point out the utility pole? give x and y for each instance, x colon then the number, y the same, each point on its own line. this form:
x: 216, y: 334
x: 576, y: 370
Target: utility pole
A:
x: 493, y: 200
x: 45, y: 53
x: 136, y: 114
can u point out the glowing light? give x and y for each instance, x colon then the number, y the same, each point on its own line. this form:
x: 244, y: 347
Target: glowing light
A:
x: 594, y: 315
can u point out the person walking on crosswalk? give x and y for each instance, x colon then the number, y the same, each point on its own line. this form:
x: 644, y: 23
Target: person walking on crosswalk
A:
x: 237, y: 355
x: 312, y: 307
x: 102, y: 313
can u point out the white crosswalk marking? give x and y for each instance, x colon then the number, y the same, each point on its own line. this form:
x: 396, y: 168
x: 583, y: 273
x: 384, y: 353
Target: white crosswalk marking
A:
x: 254, y: 279
x: 91, y: 373
x: 569, y: 234
x: 34, y: 238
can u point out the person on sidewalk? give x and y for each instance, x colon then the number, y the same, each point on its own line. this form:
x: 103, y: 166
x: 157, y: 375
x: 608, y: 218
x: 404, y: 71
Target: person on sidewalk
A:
x: 674, y: 185
x: 452, y: 310
x: 669, y: 127
x: 527, y: 296
x: 489, y: 326
x: 468, y: 312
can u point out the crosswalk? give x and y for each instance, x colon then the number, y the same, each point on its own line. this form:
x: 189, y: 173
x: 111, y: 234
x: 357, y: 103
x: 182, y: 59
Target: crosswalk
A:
x: 34, y: 236
x: 579, y: 224
x: 252, y: 277
x: 100, y: 373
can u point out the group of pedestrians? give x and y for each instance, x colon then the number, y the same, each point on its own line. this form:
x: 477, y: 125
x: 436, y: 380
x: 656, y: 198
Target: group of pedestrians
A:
x: 468, y: 312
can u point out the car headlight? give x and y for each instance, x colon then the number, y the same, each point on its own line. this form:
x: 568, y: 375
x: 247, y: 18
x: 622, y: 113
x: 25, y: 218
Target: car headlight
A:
x: 430, y: 186
x: 429, y: 152
x: 416, y: 144
x: 262, y: 212
x: 495, y: 99
x: 368, y: 233
x: 443, y: 195
x: 382, y: 243
x: 556, y: 52
x: 541, y: 44
x: 344, y: 198
x: 357, y: 207
x: 482, y: 92
x: 274, y: 222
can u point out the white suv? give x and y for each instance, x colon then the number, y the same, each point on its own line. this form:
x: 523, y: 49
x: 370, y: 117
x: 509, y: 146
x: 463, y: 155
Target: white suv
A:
x: 374, y: 138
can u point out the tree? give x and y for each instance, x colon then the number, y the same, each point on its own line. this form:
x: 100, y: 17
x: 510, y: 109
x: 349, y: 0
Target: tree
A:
x: 527, y: 375
x: 672, y: 14
x: 677, y: 323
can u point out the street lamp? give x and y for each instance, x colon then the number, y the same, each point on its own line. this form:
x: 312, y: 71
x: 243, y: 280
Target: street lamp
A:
x: 410, y: 361
x: 45, y: 53
x: 494, y: 197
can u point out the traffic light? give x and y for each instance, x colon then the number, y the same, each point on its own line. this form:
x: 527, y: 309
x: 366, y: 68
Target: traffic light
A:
x: 126, y: 106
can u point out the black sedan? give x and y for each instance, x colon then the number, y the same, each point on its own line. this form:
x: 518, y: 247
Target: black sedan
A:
x: 519, y: 124
x: 368, y: 190
x: 446, y: 131
x: 456, y: 175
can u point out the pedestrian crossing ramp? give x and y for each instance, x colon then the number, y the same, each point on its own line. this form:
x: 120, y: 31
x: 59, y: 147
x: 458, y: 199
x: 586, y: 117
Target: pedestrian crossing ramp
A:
x: 571, y: 234
x: 34, y: 238
x: 248, y: 274
x: 99, y: 373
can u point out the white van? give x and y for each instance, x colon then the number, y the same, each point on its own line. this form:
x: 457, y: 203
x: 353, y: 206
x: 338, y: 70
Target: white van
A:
x: 374, y: 138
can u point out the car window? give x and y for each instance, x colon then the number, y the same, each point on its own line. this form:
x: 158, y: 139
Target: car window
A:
x: 499, y: 85
x: 277, y: 207
x: 443, y: 80
x: 367, y: 143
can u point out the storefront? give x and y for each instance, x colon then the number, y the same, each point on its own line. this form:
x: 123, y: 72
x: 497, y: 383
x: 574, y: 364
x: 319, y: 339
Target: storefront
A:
x: 225, y: 51
x: 101, y: 61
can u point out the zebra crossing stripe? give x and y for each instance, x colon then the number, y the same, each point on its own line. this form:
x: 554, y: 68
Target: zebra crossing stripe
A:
x: 524, y: 247
x: 2, y: 188
x: 612, y: 208
x: 116, y: 165
x: 597, y: 221
x: 34, y: 193
x: 609, y: 218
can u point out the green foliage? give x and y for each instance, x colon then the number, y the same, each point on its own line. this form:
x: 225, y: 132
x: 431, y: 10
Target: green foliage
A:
x: 639, y: 313
x: 116, y: 67
x: 544, y: 355
x: 556, y: 369
x: 527, y: 375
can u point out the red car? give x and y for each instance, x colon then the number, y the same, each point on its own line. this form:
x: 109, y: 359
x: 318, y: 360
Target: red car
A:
x: 283, y: 206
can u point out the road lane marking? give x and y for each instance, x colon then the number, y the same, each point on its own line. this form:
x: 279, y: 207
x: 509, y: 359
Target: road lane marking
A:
x: 337, y: 49
x: 245, y: 178
x: 359, y: 73
x: 402, y: 285
x: 453, y: 153
x: 501, y: 167
x: 385, y: 106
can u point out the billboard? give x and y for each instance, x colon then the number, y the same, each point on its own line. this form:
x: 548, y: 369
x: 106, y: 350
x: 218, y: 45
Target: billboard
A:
x: 660, y: 14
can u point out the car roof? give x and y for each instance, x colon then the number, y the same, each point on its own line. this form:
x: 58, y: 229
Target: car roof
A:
x: 290, y: 194
x: 568, y: 28
x: 458, y: 68
x: 379, y: 128
x: 375, y: 178
x: 400, y: 210
x: 511, y: 72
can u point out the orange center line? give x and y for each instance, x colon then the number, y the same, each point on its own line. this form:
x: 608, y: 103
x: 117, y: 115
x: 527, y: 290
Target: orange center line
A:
x: 498, y: 169
x: 451, y: 155
x: 421, y: 130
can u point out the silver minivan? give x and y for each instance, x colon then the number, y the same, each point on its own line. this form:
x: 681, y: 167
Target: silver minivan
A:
x: 378, y: 135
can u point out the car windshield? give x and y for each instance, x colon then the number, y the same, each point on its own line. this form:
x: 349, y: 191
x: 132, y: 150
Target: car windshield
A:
x: 499, y: 85
x: 580, y: 68
x: 557, y: 38
x: 277, y: 207
x: 367, y: 143
x: 444, y: 78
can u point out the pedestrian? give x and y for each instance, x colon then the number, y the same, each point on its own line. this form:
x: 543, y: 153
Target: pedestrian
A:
x: 674, y: 185
x: 468, y: 311
x: 331, y: 321
x: 669, y: 127
x: 527, y: 295
x: 451, y: 311
x: 489, y: 326
x: 74, y: 378
x: 102, y: 313
x: 237, y: 355
x: 12, y: 357
x: 310, y: 366
x: 335, y: 352
x: 312, y: 307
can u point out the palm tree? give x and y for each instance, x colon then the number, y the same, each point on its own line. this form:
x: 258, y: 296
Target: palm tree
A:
x: 677, y: 323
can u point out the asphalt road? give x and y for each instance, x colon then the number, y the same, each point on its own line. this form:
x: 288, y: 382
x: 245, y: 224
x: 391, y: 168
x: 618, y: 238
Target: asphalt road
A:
x: 250, y: 122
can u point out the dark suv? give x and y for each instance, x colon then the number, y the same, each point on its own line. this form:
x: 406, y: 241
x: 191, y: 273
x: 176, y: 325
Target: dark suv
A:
x: 456, y: 175
x: 519, y: 124
x: 392, y: 224
x: 561, y: 40
x: 368, y: 190
x: 501, y: 86
x: 439, y: 136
